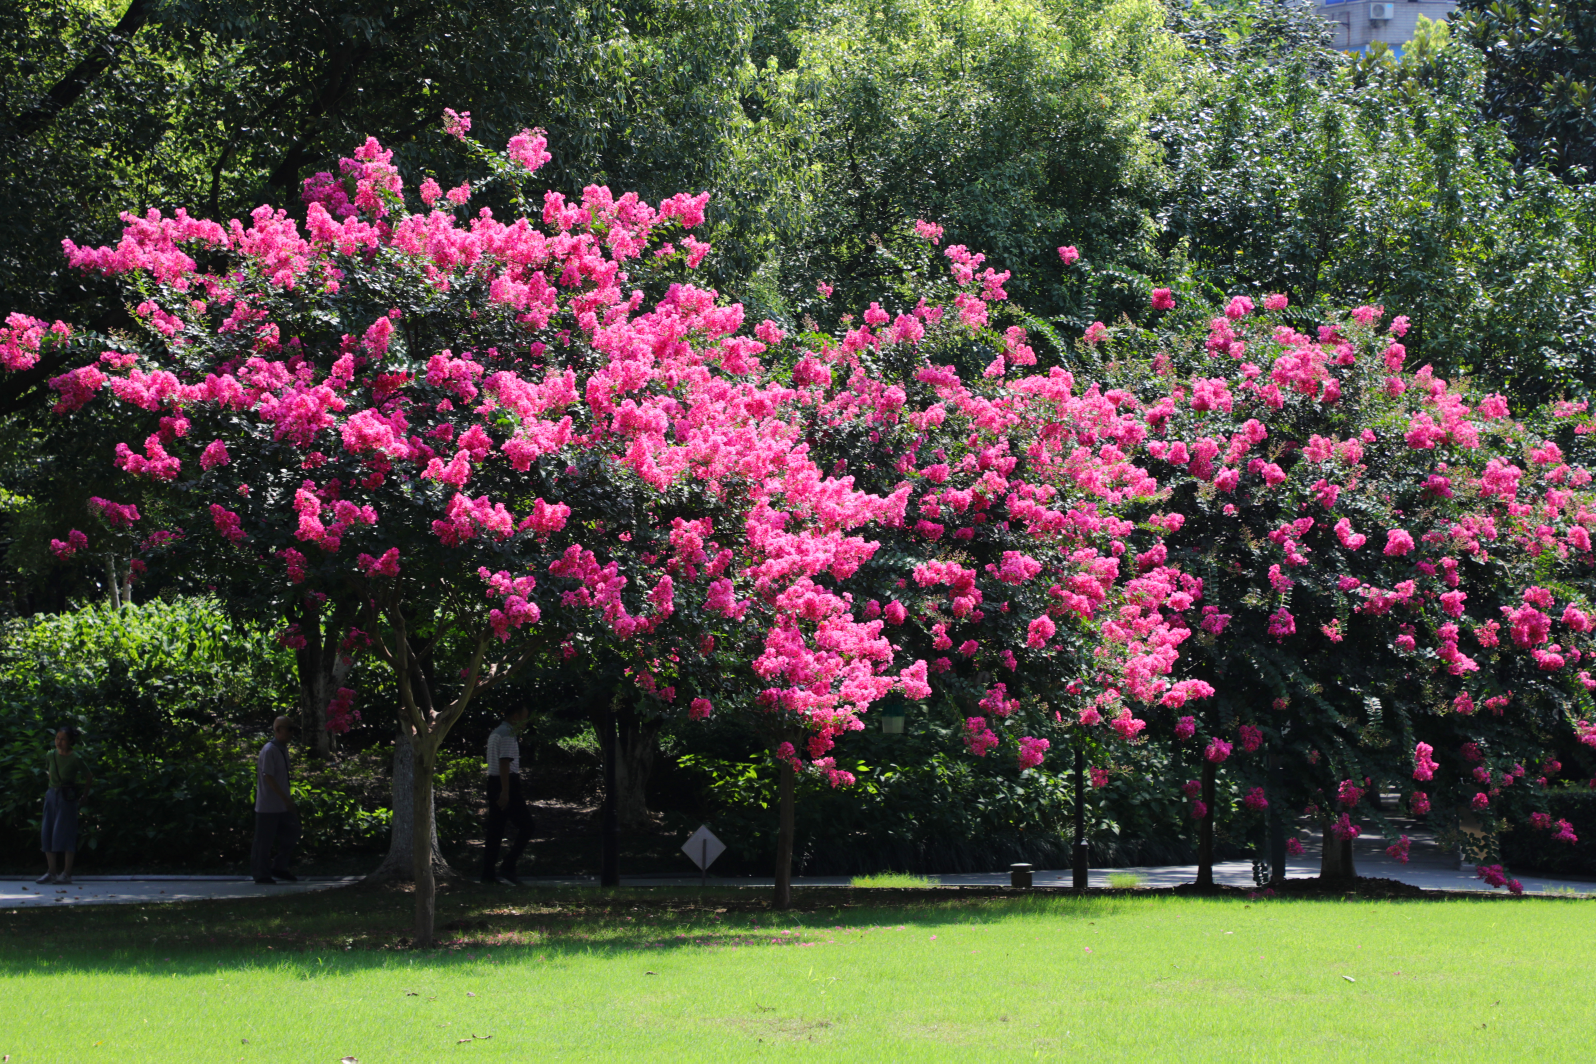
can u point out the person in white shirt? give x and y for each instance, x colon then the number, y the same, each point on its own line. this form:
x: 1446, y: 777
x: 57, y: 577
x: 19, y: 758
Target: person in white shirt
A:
x: 505, y: 804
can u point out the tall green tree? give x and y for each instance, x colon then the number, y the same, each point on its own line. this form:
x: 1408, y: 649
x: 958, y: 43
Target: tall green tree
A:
x: 1540, y: 70
x: 1018, y: 125
x: 1344, y: 180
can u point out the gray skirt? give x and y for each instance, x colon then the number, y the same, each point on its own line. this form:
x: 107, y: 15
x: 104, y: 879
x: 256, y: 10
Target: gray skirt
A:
x: 59, y: 832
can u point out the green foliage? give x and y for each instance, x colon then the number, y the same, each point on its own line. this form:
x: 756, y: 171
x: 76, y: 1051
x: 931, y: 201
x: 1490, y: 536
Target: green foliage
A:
x: 1340, y: 182
x: 1540, y: 70
x: 1016, y: 124
x: 174, y: 700
x: 890, y: 879
x: 922, y: 804
x: 219, y: 105
x: 1526, y: 848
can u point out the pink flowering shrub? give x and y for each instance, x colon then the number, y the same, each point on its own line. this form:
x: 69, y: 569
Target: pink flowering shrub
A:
x: 1281, y: 486
x: 541, y: 433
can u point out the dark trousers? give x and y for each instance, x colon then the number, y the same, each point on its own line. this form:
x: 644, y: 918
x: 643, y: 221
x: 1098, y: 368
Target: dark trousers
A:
x: 279, y: 828
x: 514, y: 812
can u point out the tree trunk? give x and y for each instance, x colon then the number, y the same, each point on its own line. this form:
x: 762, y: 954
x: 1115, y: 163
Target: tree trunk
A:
x: 1081, y: 857
x: 637, y: 741
x: 399, y: 865
x: 784, y: 840
x: 1336, y: 862
x: 1277, y: 820
x: 426, y: 760
x: 609, y: 827
x: 322, y: 668
x: 1205, y: 829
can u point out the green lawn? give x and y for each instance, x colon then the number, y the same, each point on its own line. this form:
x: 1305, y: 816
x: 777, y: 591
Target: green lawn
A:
x: 855, y: 975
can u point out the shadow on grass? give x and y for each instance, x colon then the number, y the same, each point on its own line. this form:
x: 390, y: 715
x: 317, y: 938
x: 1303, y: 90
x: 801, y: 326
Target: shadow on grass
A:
x: 371, y: 926
x: 360, y: 928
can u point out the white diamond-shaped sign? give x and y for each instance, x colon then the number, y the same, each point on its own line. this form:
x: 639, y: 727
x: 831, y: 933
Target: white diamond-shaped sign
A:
x: 703, y: 847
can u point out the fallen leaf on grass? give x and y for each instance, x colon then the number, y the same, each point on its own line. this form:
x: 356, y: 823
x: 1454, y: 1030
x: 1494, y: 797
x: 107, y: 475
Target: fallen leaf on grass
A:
x: 470, y: 994
x: 649, y: 973
x: 473, y: 1038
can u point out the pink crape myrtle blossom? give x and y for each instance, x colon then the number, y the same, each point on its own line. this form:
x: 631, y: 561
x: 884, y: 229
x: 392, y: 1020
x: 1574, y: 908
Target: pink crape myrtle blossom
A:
x: 1032, y: 751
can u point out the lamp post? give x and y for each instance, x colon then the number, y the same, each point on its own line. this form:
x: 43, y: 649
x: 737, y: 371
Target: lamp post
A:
x: 1080, y: 854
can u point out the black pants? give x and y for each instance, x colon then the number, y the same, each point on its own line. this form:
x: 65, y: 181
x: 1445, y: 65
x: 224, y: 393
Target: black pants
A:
x: 279, y: 828
x: 514, y: 812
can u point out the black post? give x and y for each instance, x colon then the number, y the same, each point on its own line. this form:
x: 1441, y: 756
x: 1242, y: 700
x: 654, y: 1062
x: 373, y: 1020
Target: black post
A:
x: 1081, y: 849
x: 610, y: 868
x: 1277, y: 819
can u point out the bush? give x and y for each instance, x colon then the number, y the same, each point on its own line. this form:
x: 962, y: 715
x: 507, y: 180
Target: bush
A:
x: 921, y: 805
x: 173, y: 701
x: 1524, y: 847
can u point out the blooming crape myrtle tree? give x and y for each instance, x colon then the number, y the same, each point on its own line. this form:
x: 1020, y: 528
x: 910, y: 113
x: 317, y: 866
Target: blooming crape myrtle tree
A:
x: 1396, y: 574
x: 471, y: 435
x: 1015, y: 573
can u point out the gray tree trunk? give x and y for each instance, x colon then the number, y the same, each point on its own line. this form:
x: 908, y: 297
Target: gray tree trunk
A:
x: 785, y: 833
x: 638, y: 741
x: 399, y: 865
x: 323, y: 666
x: 1336, y: 860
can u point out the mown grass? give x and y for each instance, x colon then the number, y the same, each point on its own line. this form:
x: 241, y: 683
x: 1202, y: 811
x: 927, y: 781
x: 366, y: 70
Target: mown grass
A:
x: 891, y: 879
x: 676, y: 975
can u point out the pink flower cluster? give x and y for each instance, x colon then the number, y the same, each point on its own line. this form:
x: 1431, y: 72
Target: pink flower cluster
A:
x: 341, y: 713
x: 1032, y: 751
x: 1495, y: 877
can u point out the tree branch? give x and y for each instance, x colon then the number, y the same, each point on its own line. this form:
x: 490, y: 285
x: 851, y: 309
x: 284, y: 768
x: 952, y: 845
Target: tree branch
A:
x: 100, y: 58
x: 340, y: 78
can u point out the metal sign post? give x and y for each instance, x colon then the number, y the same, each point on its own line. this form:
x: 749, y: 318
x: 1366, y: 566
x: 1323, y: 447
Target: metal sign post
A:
x: 702, y: 847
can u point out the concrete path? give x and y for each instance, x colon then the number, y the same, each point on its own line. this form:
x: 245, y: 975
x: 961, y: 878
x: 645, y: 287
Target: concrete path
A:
x: 101, y: 890
x: 1427, y: 867
x: 1229, y: 873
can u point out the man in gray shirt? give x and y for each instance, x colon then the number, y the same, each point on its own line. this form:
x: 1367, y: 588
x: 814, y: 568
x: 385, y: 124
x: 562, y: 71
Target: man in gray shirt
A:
x: 505, y: 804
x: 276, y: 816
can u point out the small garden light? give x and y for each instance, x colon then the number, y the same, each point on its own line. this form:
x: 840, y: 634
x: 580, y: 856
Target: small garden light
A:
x: 892, y: 715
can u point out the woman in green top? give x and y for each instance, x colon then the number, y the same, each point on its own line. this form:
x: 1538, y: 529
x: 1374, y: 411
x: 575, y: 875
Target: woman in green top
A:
x: 70, y: 780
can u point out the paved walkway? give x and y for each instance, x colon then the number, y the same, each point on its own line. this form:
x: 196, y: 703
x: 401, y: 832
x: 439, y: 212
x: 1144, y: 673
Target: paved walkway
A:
x: 1428, y: 867
x: 101, y: 890
x: 1230, y: 873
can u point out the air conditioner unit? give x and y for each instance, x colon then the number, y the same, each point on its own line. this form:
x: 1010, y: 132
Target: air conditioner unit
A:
x: 1381, y: 12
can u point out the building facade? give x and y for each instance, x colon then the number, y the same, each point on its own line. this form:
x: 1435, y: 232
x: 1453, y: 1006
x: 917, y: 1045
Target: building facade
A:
x: 1359, y: 23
